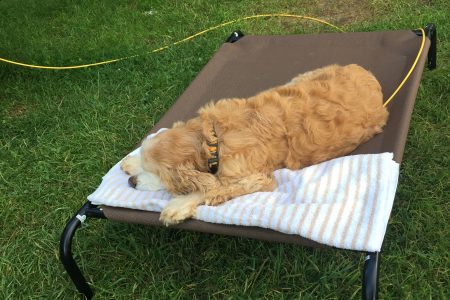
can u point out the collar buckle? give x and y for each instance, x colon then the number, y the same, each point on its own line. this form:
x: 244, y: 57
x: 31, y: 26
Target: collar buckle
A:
x: 213, y: 149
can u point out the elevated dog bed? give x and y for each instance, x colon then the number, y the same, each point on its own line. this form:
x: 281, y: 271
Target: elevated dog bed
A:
x: 246, y: 65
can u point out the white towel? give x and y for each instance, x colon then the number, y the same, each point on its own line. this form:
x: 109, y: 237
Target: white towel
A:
x: 344, y: 202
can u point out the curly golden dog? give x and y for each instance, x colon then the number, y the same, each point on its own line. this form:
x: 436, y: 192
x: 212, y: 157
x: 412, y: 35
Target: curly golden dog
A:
x: 233, y: 146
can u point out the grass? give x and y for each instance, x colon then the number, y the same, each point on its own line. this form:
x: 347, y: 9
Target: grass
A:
x: 61, y: 130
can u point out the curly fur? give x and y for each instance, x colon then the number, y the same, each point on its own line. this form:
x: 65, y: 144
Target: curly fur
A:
x: 317, y: 116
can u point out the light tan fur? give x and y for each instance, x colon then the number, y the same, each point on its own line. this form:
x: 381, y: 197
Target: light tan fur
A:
x: 131, y: 165
x: 315, y: 117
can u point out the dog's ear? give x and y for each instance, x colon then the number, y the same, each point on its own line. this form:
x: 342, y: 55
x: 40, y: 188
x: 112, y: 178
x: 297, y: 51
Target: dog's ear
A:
x: 186, y: 179
x: 196, y: 180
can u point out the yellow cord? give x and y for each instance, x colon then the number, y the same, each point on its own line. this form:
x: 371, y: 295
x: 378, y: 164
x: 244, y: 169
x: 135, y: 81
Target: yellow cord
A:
x: 410, y: 70
x: 173, y: 44
x: 216, y: 27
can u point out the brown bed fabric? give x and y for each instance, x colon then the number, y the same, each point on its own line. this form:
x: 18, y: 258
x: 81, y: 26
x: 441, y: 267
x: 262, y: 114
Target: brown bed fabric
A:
x: 256, y: 63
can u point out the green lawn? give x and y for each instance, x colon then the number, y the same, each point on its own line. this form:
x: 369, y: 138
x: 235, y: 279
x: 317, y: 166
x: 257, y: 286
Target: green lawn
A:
x: 60, y: 131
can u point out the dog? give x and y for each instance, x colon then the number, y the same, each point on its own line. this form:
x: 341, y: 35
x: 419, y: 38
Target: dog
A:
x: 233, y: 146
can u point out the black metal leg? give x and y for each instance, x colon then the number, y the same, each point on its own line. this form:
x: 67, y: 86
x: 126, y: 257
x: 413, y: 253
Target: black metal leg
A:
x: 65, y: 247
x: 235, y: 36
x: 370, y: 276
x: 431, y: 32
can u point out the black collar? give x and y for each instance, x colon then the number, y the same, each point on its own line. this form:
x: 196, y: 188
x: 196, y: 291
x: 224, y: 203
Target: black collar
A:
x: 213, y: 148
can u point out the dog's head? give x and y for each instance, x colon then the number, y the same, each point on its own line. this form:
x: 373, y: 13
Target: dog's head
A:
x: 178, y: 157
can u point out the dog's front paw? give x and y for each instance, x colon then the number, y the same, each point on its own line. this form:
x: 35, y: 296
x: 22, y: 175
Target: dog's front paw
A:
x: 172, y: 216
x: 131, y: 165
x: 180, y: 209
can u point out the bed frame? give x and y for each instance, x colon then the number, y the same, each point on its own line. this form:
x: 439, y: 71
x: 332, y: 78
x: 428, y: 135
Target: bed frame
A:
x: 246, y: 65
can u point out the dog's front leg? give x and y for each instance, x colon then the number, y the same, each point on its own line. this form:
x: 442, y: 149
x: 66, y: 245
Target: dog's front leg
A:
x: 181, y: 208
x: 231, y: 187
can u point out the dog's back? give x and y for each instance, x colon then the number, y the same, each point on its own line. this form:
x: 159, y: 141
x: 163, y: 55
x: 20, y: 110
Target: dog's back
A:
x: 331, y: 111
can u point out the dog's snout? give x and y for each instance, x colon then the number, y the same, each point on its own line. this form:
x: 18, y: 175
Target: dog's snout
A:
x: 132, y: 181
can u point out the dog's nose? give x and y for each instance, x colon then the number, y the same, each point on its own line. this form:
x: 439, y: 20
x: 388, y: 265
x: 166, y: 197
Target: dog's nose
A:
x: 132, y: 181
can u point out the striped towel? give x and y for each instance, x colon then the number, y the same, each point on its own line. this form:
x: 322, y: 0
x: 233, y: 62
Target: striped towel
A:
x: 344, y: 202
